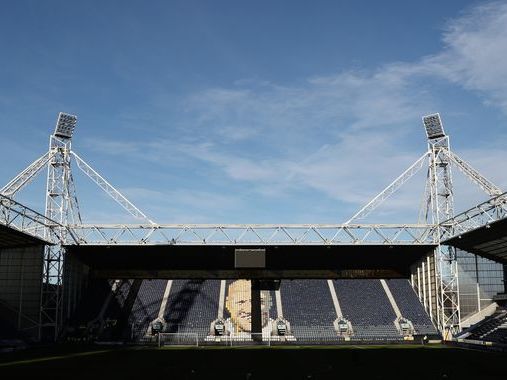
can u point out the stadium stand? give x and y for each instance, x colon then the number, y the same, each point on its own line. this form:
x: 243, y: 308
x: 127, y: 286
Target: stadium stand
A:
x: 122, y: 292
x: 127, y: 310
x: 365, y: 304
x: 192, y: 306
x: 491, y: 329
x: 410, y: 306
x: 146, y: 306
x: 308, y: 306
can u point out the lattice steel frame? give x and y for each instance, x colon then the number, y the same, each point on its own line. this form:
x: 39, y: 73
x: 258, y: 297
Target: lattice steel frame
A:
x: 62, y: 207
x: 19, y: 217
x: 256, y: 234
x: 478, y: 216
x: 61, y: 211
x: 27, y: 175
x: 441, y: 204
x: 438, y: 209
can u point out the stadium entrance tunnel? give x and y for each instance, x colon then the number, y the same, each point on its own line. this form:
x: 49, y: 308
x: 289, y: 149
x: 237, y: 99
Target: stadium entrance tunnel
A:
x: 489, y: 241
x: 277, y: 262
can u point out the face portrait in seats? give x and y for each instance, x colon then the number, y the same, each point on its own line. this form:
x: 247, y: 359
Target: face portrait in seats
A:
x: 239, y: 305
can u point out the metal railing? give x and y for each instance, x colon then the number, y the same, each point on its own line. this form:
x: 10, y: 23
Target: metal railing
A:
x: 177, y: 339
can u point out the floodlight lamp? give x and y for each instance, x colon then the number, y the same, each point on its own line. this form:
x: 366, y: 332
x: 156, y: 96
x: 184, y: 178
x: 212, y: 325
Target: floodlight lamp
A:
x: 65, y: 125
x: 433, y: 125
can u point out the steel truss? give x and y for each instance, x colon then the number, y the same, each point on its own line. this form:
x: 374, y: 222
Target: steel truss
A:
x: 109, y: 189
x: 391, y: 189
x: 441, y: 204
x: 23, y: 219
x: 62, y: 206
x: 479, y: 216
x: 62, y: 211
x: 256, y: 234
x: 27, y: 175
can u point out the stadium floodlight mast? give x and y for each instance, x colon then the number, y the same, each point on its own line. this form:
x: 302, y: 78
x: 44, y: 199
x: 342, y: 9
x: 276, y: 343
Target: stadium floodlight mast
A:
x: 62, y: 209
x: 440, y: 203
x: 64, y: 129
x: 62, y: 206
x: 438, y: 209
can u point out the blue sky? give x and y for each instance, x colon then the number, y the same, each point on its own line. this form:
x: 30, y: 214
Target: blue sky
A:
x: 253, y: 112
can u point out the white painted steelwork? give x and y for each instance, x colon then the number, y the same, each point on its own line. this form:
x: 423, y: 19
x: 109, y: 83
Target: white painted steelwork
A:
x: 483, y: 214
x: 109, y: 189
x: 27, y: 175
x: 256, y: 234
x: 23, y: 219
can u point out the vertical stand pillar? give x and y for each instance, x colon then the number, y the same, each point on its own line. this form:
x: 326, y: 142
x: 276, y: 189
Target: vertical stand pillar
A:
x: 256, y: 311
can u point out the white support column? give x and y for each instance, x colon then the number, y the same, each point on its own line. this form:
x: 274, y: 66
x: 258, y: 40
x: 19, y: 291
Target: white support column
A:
x: 419, y: 283
x: 334, y: 297
x: 437, y: 288
x: 221, y: 300
x: 478, y: 297
x: 425, y: 299
x: 477, y: 283
x: 165, y: 298
x: 430, y: 298
x: 278, y: 300
x: 392, y: 301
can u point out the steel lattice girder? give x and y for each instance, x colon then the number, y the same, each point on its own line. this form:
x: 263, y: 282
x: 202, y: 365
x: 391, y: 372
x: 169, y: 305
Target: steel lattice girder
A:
x: 23, y: 219
x: 493, y: 210
x: 255, y: 234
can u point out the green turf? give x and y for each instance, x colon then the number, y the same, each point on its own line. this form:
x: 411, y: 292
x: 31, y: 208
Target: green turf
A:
x: 261, y: 362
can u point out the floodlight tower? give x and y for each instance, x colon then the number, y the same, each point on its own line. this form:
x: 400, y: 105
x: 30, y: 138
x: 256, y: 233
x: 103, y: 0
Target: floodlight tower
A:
x: 440, y: 204
x: 61, y: 207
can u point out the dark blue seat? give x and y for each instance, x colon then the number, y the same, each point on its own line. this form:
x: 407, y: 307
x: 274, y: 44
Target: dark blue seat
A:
x: 410, y: 306
x: 308, y: 306
x: 365, y: 304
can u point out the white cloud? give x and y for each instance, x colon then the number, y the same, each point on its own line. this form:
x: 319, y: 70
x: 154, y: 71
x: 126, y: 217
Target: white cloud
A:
x: 122, y: 148
x: 475, y: 45
x: 345, y: 135
x: 183, y: 206
x: 319, y: 106
x: 474, y: 53
x: 194, y: 198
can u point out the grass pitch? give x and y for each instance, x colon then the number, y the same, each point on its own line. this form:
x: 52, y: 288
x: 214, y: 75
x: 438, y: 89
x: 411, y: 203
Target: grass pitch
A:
x: 260, y: 362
